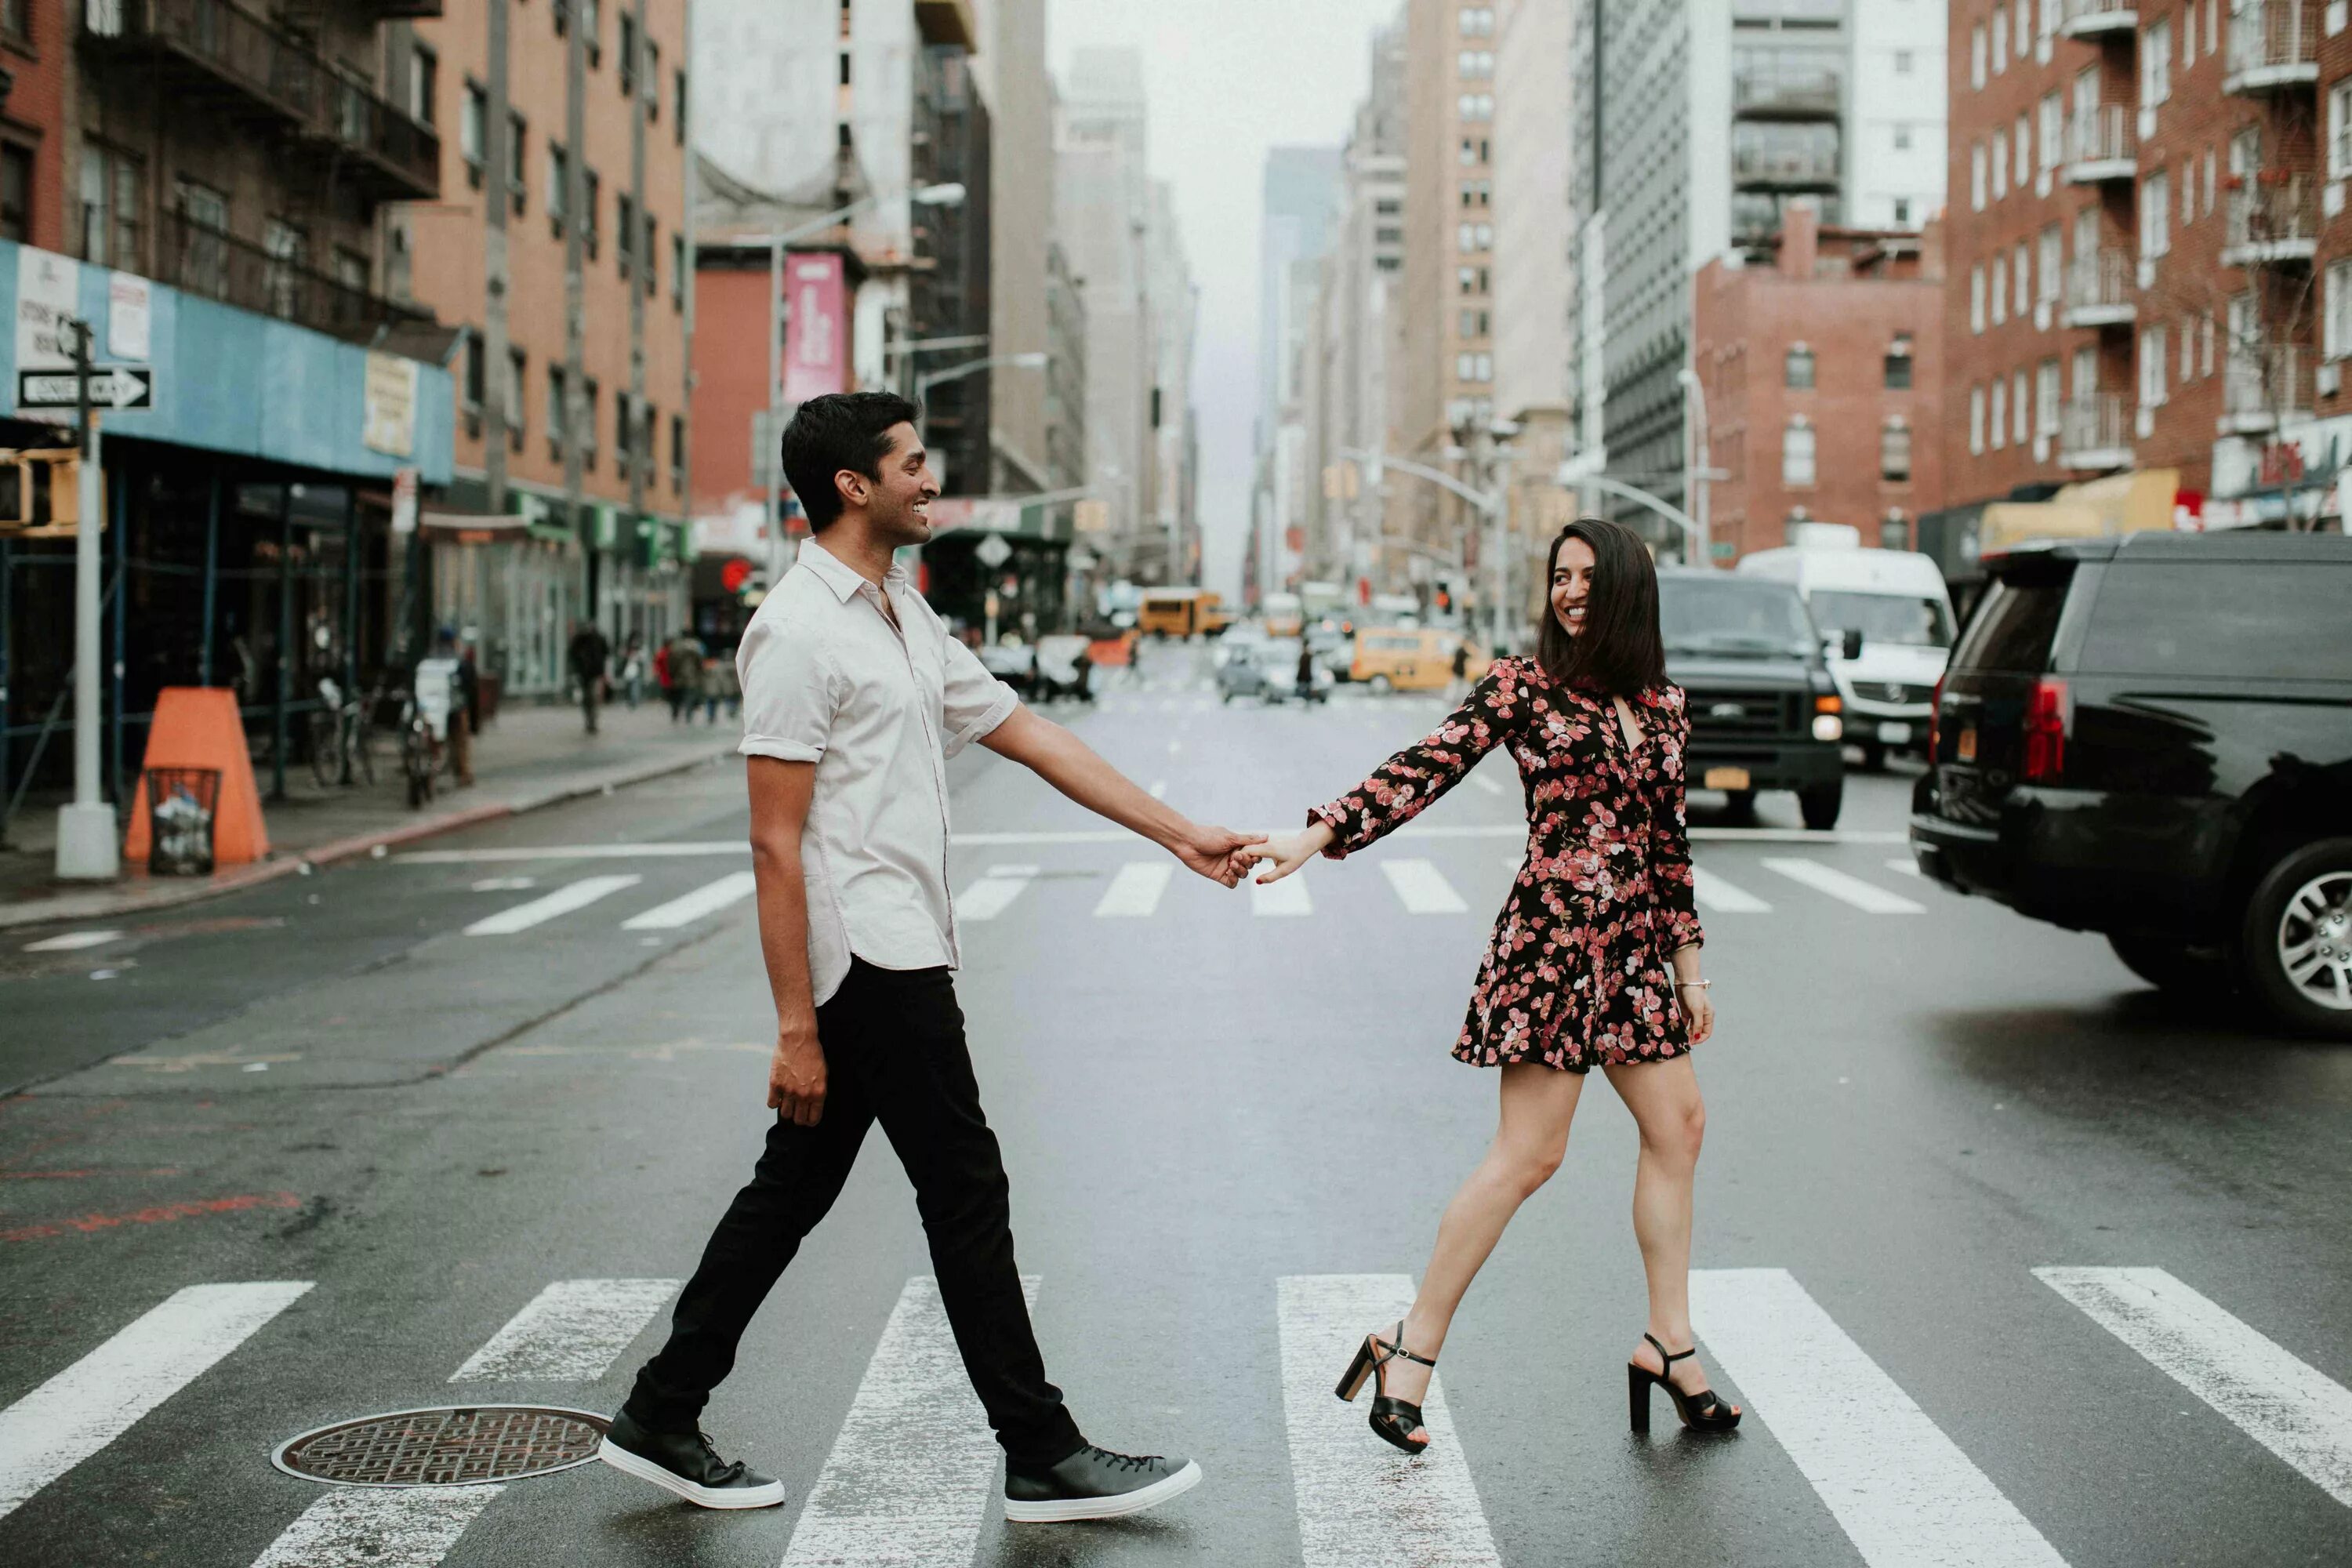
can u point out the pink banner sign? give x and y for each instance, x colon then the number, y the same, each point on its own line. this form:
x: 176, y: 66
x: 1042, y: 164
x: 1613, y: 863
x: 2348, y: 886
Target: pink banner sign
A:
x: 816, y: 327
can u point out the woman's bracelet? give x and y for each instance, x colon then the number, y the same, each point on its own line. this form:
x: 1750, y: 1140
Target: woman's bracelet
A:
x: 1702, y: 985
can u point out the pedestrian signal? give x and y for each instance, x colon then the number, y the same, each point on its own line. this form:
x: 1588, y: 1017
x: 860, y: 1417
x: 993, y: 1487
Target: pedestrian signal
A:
x: 40, y: 492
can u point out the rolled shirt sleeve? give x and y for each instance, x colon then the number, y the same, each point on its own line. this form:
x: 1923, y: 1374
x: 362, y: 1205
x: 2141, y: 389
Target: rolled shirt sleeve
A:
x: 790, y: 693
x: 972, y: 702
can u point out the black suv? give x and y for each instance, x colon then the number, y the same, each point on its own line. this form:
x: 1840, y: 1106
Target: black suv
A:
x: 1763, y: 705
x: 2151, y: 737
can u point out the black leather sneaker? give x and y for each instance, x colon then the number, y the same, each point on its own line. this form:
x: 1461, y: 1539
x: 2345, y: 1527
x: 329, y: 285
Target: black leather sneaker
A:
x: 684, y: 1463
x: 1095, y: 1483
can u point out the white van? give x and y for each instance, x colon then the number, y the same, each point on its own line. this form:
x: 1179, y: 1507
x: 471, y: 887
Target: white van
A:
x: 1889, y: 620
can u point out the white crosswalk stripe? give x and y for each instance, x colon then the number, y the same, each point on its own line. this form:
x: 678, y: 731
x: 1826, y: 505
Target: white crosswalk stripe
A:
x: 908, y: 1482
x: 1866, y: 896
x: 567, y: 899
x: 100, y: 1397
x: 707, y: 899
x: 1135, y: 892
x: 995, y: 892
x: 1285, y: 900
x: 1901, y: 1489
x: 73, y: 940
x: 406, y: 1526
x: 572, y: 1330
x: 1905, y: 865
x: 1711, y: 893
x: 1360, y: 1503
x: 1422, y: 888
x: 2263, y: 1389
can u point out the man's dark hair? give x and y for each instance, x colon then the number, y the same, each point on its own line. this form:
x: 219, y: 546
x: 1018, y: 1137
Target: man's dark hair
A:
x: 1620, y: 653
x: 839, y: 430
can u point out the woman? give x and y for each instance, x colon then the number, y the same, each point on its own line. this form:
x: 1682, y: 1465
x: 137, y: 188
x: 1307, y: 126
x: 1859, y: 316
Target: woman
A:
x: 1577, y: 973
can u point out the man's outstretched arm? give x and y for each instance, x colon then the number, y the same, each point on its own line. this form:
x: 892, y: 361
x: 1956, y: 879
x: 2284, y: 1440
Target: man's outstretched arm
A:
x: 1070, y: 765
x: 781, y: 793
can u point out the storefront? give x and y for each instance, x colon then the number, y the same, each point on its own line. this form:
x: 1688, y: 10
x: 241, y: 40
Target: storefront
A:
x: 999, y: 562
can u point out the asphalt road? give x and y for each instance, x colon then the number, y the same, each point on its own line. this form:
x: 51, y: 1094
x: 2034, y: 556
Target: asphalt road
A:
x: 1230, y: 1128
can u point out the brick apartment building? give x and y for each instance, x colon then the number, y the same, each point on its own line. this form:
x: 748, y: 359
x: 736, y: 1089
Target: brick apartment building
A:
x: 2143, y: 201
x: 1822, y: 371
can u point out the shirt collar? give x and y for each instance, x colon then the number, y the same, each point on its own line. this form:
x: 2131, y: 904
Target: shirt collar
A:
x: 842, y: 578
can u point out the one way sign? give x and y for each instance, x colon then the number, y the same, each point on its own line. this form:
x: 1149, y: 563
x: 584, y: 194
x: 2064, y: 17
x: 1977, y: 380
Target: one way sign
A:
x: 114, y: 386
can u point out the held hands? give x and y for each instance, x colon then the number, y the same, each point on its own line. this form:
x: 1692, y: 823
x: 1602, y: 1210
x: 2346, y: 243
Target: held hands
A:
x: 796, y: 1074
x: 1291, y: 850
x: 1218, y: 854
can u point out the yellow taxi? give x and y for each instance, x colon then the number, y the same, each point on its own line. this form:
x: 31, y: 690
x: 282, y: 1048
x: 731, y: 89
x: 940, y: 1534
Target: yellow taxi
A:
x: 1411, y: 659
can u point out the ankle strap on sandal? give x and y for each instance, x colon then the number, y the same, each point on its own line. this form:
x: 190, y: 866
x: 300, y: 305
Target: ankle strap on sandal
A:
x: 1670, y: 1360
x: 1391, y: 1352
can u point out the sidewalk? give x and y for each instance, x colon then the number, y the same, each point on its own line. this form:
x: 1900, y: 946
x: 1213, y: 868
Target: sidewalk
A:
x: 529, y: 757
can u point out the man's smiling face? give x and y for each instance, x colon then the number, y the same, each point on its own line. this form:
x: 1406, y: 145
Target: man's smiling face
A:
x: 900, y: 500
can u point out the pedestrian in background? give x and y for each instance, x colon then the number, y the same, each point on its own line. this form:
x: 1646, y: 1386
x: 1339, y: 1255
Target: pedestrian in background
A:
x: 465, y: 715
x: 1459, y: 687
x: 1594, y: 963
x: 633, y: 670
x: 591, y: 659
x: 685, y: 674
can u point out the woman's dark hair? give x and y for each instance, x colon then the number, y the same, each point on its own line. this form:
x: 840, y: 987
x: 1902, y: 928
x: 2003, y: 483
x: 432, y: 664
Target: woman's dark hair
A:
x: 1619, y: 653
x: 835, y: 431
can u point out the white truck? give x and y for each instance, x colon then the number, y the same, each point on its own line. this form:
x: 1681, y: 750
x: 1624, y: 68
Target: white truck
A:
x: 1888, y: 619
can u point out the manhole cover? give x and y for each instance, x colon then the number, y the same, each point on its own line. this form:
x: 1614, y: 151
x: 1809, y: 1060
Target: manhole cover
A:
x: 449, y: 1446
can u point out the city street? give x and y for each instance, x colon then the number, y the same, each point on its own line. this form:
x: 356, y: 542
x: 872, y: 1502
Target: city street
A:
x: 2013, y: 1261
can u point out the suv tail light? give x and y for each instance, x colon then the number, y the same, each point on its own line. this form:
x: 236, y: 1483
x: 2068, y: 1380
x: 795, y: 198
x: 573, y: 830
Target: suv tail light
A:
x: 1935, y: 720
x: 2047, y: 712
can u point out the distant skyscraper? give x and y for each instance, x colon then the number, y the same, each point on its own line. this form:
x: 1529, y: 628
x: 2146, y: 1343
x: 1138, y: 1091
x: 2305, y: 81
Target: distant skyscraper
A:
x: 1298, y: 222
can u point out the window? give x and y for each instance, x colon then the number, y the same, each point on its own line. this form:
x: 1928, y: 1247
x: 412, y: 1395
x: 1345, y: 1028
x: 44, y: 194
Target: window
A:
x: 2188, y: 193
x: 653, y: 81
x: 2205, y: 345
x: 678, y: 102
x: 1977, y: 55
x: 2339, y: 120
x: 1477, y: 194
x: 1476, y: 236
x: 16, y: 192
x: 2156, y: 64
x: 1902, y: 211
x: 473, y: 388
x: 352, y: 270
x: 559, y: 185
x: 559, y: 411
x: 2021, y: 143
x: 589, y: 413
x: 1894, y: 453
x: 2159, y: 619
x: 2024, y: 264
x: 1999, y: 164
x: 2017, y: 408
x: 624, y: 224
x: 2335, y: 330
x: 624, y: 434
x: 1977, y: 420
x: 1476, y: 106
x: 678, y: 454
x: 2000, y: 292
x: 2189, y: 34
x: 514, y: 392
x: 2151, y: 367
x: 1977, y: 298
x: 1797, y: 453
x: 2045, y: 398
x: 113, y: 202
x: 1977, y: 177
x: 2053, y: 129
x: 518, y: 161
x: 2212, y: 28
x: 1473, y: 323
x: 1797, y: 370
x: 649, y: 252
x: 1898, y: 363
x: 2212, y: 178
x: 1477, y: 21
x: 424, y: 83
x: 628, y: 63
x: 590, y: 187
x: 678, y: 271
x: 2054, y: 250
x: 1902, y: 62
x: 1999, y: 42
x: 289, y: 248
x: 1902, y: 136
x: 2087, y: 373
x: 2187, y: 349
x: 17, y: 19
x: 2155, y: 216
x: 1999, y: 414
x: 590, y: 18
x: 474, y: 130
x: 1475, y: 64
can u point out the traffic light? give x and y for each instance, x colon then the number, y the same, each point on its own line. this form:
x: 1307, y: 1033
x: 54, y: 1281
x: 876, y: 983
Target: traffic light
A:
x: 40, y: 492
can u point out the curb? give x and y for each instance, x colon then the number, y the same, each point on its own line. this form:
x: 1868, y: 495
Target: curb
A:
x: 140, y: 897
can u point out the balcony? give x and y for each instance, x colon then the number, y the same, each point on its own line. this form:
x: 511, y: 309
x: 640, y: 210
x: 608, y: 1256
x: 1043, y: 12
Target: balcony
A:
x: 2264, y: 385
x: 204, y: 260
x: 1785, y: 168
x: 2098, y: 19
x: 1786, y: 92
x: 2099, y: 290
x: 2094, y: 433
x: 211, y: 55
x: 2102, y: 145
x: 2274, y: 221
x: 2274, y: 48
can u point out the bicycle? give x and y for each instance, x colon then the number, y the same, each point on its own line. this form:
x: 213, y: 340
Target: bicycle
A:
x: 339, y: 738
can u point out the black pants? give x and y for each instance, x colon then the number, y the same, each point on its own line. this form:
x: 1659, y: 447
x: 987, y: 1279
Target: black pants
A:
x: 590, y: 694
x: 894, y: 1052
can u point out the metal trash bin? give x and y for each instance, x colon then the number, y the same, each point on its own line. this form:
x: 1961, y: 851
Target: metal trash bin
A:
x: 180, y: 806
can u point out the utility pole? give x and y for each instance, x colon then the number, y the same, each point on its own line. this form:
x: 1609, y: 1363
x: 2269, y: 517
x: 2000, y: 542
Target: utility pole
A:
x: 87, y: 847
x: 498, y: 201
x: 577, y: 431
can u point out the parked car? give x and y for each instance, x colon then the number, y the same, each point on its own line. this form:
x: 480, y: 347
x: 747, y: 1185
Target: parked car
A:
x: 1764, y: 709
x: 1268, y: 670
x: 2150, y: 737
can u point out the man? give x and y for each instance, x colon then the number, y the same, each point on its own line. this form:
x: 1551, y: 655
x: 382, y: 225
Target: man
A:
x: 854, y: 695
x: 588, y: 655
x: 685, y: 670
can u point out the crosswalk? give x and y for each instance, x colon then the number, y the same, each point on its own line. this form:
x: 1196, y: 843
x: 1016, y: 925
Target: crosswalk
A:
x: 910, y: 1478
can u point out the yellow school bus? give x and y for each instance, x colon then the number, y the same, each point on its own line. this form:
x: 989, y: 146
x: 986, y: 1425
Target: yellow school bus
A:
x: 1411, y: 659
x: 1178, y: 612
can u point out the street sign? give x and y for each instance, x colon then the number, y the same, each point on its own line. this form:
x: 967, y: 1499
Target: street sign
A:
x: 993, y: 551
x: 114, y: 386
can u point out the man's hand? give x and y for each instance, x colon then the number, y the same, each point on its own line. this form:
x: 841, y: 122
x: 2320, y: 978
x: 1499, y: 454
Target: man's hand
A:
x: 1218, y: 853
x: 796, y: 1074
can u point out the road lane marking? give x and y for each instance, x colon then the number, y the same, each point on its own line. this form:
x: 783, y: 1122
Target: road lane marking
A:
x: 572, y: 1330
x: 1424, y: 887
x: 1361, y: 1502
x: 1905, y: 865
x: 505, y: 884
x: 1904, y: 1492
x: 707, y: 899
x: 995, y: 892
x: 1717, y: 896
x: 73, y: 940
x: 408, y: 1527
x: 658, y: 851
x: 1863, y: 896
x: 1483, y: 782
x: 1282, y: 900
x: 1135, y: 892
x: 2261, y: 1387
x: 907, y: 1483
x: 564, y: 901
x: 99, y: 1397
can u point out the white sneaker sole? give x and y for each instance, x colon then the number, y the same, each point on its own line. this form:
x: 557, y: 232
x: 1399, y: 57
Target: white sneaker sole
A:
x: 1076, y: 1509
x: 644, y: 1469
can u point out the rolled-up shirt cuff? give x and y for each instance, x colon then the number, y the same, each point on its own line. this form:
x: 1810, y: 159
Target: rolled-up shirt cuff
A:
x: 997, y: 712
x: 776, y: 746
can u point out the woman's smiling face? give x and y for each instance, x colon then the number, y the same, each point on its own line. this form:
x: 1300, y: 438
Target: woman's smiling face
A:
x: 1571, y: 585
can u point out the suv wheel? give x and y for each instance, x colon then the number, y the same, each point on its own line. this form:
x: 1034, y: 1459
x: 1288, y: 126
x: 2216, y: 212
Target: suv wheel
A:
x: 2296, y: 942
x: 1821, y: 804
x: 2170, y: 964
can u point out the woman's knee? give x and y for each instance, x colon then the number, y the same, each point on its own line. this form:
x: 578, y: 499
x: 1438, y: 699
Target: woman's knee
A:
x: 1527, y: 1167
x: 1677, y: 1134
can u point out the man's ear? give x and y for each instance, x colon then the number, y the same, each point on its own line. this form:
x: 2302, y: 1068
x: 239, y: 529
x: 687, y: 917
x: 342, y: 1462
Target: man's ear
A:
x: 851, y: 485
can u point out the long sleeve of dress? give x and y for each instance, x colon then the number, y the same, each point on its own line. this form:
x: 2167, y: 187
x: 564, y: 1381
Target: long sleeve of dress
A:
x: 1670, y: 858
x: 1403, y: 787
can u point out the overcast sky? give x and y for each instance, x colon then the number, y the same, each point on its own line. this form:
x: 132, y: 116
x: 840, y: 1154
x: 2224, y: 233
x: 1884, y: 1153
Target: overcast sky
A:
x: 1227, y: 80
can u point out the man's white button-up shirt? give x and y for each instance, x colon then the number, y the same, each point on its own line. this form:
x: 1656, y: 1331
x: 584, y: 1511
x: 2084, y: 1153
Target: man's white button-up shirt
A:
x: 878, y: 708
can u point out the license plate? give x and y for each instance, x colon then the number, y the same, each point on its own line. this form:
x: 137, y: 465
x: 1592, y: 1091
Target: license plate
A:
x: 1967, y: 747
x: 1894, y: 734
x: 1726, y: 778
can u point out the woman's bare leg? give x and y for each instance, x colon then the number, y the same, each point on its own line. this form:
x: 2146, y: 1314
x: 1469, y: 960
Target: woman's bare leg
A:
x: 1665, y: 1099
x: 1538, y: 1104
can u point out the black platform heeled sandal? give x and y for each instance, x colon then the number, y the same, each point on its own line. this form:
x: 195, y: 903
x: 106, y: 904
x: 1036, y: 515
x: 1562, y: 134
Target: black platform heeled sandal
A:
x: 1395, y: 1420
x: 1701, y: 1412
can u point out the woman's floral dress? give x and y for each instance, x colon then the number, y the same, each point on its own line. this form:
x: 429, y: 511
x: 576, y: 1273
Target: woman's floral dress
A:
x: 1577, y: 973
